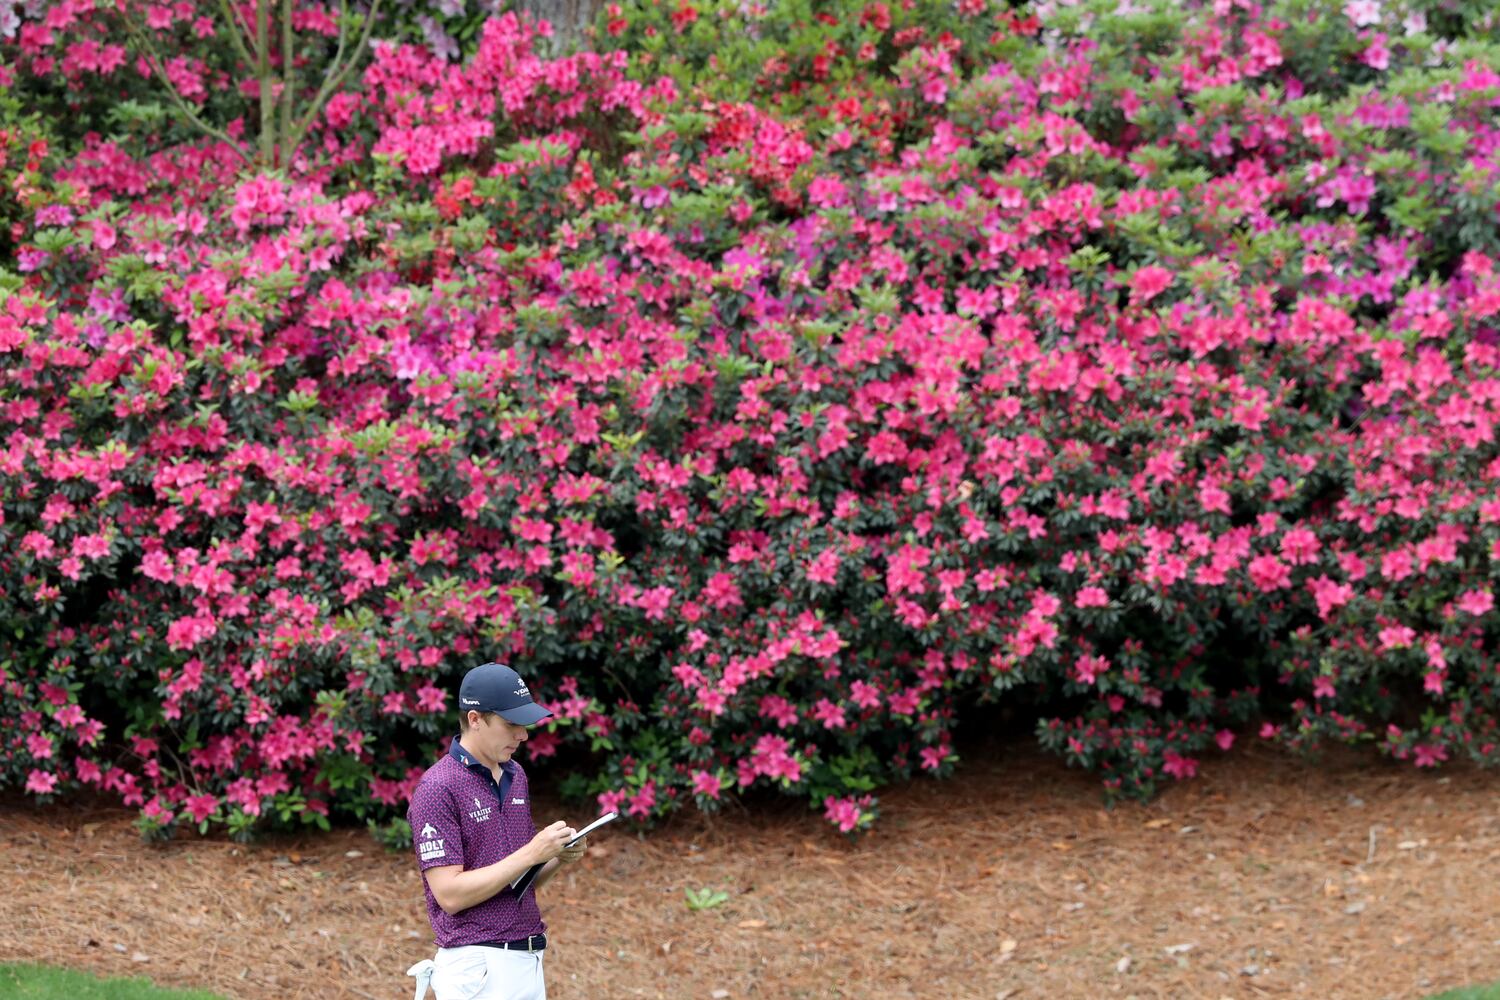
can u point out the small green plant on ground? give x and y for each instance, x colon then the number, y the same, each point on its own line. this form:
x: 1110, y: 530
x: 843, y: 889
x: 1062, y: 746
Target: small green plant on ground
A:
x: 37, y: 982
x: 705, y: 898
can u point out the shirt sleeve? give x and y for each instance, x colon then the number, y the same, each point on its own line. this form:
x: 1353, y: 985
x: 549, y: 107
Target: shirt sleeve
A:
x: 434, y: 827
x: 520, y: 795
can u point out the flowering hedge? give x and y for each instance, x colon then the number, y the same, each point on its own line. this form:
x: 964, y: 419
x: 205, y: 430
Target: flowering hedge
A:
x: 1138, y: 362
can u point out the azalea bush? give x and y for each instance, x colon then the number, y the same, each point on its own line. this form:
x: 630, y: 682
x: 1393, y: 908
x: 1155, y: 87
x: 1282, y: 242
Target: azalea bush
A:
x: 1133, y: 364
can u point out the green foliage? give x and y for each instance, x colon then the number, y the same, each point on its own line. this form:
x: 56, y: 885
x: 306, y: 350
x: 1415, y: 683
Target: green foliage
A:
x: 769, y: 416
x: 705, y: 898
x: 35, y: 982
x: 1491, y: 992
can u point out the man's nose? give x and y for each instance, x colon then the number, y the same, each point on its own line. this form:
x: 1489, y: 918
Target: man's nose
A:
x: 524, y: 734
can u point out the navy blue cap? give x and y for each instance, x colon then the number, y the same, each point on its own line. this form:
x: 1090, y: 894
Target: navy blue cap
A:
x: 494, y: 687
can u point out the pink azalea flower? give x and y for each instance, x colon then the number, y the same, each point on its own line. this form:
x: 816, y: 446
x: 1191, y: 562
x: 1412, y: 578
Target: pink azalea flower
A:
x: 655, y: 602
x: 846, y: 812
x: 1396, y: 637
x: 778, y: 710
x: 932, y: 757
x: 1362, y: 13
x: 431, y: 699
x: 156, y: 566
x: 1300, y: 546
x: 824, y: 569
x: 1376, y: 55
x: 1269, y: 573
x: 1091, y: 597
x: 1476, y: 602
x: 1213, y: 498
x: 201, y: 807
x: 1178, y: 766
x: 705, y: 783
x: 1149, y: 282
x: 70, y: 716
x: 1429, y: 756
x: 643, y: 801
x: 1329, y: 595
x: 866, y: 696
x: 38, y: 545
x: 829, y: 714
x: 1088, y: 668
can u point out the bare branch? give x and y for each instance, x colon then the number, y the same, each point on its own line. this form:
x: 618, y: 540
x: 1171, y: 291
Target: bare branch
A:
x: 263, y: 74
x: 336, y: 74
x: 236, y: 36
x: 158, y: 67
x: 288, y: 82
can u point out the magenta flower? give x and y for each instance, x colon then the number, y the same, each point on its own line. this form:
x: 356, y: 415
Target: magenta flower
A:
x: 1149, y: 282
x: 1428, y: 755
x: 1269, y: 573
x: 1178, y: 766
x: 201, y: 807
x: 705, y: 783
x: 1476, y: 602
x: 431, y: 699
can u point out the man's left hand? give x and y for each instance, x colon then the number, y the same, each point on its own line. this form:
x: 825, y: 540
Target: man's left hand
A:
x: 571, y: 854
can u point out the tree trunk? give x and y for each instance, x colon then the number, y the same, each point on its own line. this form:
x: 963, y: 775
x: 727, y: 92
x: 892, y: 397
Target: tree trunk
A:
x: 569, y: 17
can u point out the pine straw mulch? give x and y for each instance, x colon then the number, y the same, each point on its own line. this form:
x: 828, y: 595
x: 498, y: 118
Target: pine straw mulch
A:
x: 1266, y: 876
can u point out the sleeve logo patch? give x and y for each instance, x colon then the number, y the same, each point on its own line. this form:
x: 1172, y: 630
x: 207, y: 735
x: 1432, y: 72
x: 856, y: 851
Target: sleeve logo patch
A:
x: 430, y: 845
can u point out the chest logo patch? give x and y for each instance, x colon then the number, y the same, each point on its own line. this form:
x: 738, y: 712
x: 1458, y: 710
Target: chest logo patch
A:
x: 480, y: 812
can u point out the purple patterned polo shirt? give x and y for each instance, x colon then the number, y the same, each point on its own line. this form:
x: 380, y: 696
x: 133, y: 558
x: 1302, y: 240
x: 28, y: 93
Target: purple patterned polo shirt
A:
x: 460, y: 816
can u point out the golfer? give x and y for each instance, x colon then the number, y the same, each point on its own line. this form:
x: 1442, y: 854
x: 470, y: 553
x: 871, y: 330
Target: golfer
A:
x: 471, y: 825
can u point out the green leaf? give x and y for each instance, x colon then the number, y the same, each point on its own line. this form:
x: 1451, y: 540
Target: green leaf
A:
x: 705, y: 898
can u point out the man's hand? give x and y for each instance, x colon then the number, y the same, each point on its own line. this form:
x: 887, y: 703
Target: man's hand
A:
x: 571, y: 854
x: 548, y: 843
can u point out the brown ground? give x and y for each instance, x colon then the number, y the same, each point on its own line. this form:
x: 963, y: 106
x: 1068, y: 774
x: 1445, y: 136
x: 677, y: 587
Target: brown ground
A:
x: 1264, y: 877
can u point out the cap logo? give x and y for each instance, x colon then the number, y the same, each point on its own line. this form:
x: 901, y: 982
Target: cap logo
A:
x: 469, y: 701
x: 521, y: 691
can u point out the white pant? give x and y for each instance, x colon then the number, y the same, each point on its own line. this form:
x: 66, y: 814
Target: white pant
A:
x: 475, y: 972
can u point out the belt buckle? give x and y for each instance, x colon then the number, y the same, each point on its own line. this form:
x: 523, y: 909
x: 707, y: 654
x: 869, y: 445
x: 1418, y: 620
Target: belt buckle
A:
x: 529, y: 948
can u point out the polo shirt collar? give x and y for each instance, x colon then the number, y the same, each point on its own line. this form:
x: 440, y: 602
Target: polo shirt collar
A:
x: 457, y: 752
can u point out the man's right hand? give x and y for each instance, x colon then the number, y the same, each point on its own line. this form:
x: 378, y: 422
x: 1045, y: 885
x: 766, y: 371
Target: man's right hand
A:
x: 548, y: 843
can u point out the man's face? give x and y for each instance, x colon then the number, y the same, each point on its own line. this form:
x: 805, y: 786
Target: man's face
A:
x: 497, y: 739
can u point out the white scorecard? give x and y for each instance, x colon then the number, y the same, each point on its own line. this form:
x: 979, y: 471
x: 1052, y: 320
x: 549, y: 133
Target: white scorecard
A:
x: 596, y: 824
x: 523, y: 881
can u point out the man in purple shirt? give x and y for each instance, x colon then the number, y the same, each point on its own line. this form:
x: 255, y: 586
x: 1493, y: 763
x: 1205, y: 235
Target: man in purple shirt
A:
x: 471, y: 825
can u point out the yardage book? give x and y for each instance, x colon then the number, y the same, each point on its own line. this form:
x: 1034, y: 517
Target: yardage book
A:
x: 523, y: 881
